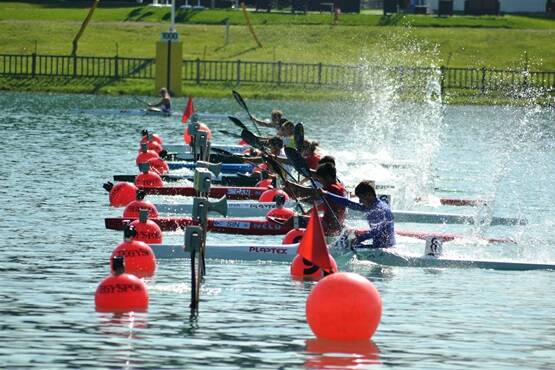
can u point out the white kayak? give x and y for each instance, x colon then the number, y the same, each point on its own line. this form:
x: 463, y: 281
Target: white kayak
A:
x: 185, y: 150
x: 245, y: 252
x: 260, y: 209
x: 391, y: 257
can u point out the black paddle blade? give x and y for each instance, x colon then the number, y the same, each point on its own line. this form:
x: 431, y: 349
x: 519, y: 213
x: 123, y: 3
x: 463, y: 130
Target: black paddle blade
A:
x: 229, y: 133
x: 297, y: 161
x: 240, y: 101
x: 251, y: 139
x: 276, y: 167
x: 238, y: 123
x: 299, y: 135
x: 223, y: 151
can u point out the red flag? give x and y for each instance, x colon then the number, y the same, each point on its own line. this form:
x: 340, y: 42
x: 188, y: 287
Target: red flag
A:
x: 189, y: 110
x: 313, y: 244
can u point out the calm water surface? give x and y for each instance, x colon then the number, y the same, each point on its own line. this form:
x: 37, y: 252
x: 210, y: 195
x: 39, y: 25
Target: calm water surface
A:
x: 55, y: 249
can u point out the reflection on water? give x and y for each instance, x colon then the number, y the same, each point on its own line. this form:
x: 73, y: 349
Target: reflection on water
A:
x: 327, y: 354
x: 55, y: 249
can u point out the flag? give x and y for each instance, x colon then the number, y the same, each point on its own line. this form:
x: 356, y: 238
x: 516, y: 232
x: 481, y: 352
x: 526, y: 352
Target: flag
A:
x: 189, y: 110
x: 313, y: 244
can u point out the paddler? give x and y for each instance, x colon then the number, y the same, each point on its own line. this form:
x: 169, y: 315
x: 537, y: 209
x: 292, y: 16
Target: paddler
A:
x: 165, y: 103
x: 287, y: 134
x: 333, y: 218
x: 378, y: 214
x: 310, y: 154
x: 275, y: 122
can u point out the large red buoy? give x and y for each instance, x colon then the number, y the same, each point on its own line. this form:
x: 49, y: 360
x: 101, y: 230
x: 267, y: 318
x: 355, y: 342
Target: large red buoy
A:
x: 132, y: 210
x: 139, y: 257
x: 293, y: 236
x: 344, y: 306
x: 202, y: 127
x: 148, y: 178
x: 145, y: 154
x: 148, y: 136
x: 159, y: 166
x: 270, y: 195
x: 303, y: 269
x: 281, y: 213
x: 121, y: 292
x: 147, y: 231
x: 121, y: 194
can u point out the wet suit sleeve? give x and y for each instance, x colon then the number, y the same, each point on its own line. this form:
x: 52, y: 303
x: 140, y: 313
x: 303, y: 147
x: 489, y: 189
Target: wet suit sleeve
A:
x: 376, y: 220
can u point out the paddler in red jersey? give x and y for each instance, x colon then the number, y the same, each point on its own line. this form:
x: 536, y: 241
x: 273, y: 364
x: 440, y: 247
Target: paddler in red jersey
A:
x: 333, y: 218
x: 310, y: 155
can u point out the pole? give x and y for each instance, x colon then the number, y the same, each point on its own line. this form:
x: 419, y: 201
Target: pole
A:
x: 172, y: 27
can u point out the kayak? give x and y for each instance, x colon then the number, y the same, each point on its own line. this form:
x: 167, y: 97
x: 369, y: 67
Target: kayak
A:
x: 186, y: 149
x: 392, y: 257
x: 220, y: 180
x: 260, y: 209
x: 226, y: 167
x: 262, y: 226
x: 244, y: 252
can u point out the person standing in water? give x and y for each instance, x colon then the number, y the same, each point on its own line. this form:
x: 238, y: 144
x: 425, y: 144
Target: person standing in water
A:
x: 165, y: 103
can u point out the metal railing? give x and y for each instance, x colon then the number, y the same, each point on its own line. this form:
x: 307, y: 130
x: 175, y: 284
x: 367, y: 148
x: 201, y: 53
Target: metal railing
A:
x: 276, y: 73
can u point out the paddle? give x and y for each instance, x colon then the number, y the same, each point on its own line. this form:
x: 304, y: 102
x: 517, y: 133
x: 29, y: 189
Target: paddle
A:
x: 141, y: 101
x: 299, y: 136
x: 238, y: 123
x: 300, y: 165
x: 229, y: 133
x: 242, y: 103
x: 253, y: 141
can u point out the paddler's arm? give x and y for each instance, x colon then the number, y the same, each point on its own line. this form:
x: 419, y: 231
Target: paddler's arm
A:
x: 264, y: 123
x: 342, y: 201
x: 299, y: 190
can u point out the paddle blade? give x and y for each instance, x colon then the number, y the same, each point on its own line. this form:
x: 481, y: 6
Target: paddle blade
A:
x: 251, y: 139
x: 297, y: 161
x: 232, y: 134
x: 299, y: 135
x: 238, y: 123
x: 241, y: 102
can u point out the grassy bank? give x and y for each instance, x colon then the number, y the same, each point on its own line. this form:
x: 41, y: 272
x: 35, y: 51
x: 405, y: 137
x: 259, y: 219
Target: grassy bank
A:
x: 512, y: 41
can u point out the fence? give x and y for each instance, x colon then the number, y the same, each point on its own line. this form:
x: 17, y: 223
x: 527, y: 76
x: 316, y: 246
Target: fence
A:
x: 277, y: 73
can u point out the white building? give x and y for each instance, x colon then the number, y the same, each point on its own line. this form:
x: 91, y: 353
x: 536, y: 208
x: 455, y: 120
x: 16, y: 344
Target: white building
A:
x: 507, y: 6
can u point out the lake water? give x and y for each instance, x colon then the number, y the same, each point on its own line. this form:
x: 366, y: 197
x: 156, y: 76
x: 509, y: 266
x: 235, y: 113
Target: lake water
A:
x: 55, y: 249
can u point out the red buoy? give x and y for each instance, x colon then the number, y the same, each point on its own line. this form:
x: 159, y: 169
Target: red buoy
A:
x: 147, y: 231
x: 265, y: 183
x: 148, y: 136
x: 145, y: 154
x: 344, y: 306
x: 133, y: 209
x: 159, y: 166
x: 281, y: 213
x: 293, y: 236
x: 153, y: 146
x: 121, y: 292
x: 270, y: 195
x: 121, y: 194
x: 139, y: 257
x: 302, y: 269
x: 202, y: 127
x: 148, y: 178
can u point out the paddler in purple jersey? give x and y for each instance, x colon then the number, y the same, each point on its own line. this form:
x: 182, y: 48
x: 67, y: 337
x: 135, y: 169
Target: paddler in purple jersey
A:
x: 378, y: 214
x: 165, y: 103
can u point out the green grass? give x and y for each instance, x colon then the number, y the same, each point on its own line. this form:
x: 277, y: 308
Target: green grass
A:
x: 511, y: 41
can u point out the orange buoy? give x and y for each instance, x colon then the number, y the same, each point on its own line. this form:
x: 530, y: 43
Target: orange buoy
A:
x: 139, y: 257
x: 344, y: 306
x: 281, y: 213
x: 121, y: 194
x: 293, y: 236
x: 148, y: 178
x: 145, y: 154
x: 121, y: 292
x: 132, y: 210
x: 265, y: 183
x: 270, y: 195
x: 148, y: 136
x: 159, y: 166
x: 147, y: 231
x: 302, y: 269
x: 202, y: 127
x: 153, y: 146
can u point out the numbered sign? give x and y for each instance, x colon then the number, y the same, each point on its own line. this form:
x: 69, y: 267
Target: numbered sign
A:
x: 169, y: 36
x: 434, y: 247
